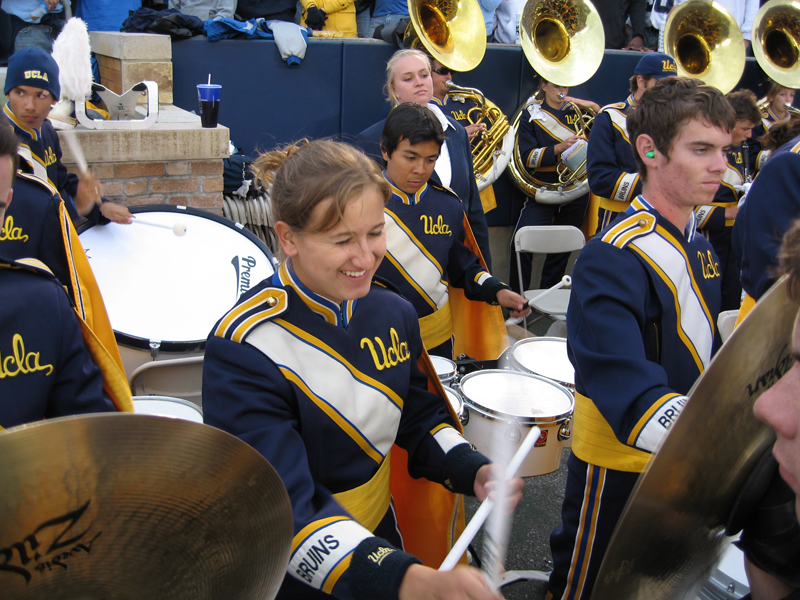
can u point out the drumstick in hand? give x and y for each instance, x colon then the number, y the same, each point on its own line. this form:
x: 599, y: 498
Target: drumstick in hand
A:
x: 80, y: 159
x: 471, y: 530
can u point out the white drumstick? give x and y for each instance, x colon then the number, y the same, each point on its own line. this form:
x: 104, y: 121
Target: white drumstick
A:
x: 178, y: 229
x: 566, y: 281
x: 471, y: 530
x: 75, y: 148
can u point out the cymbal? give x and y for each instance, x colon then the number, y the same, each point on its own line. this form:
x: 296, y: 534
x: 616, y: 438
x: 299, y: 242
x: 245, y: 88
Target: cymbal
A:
x: 125, y: 506
x: 672, y: 532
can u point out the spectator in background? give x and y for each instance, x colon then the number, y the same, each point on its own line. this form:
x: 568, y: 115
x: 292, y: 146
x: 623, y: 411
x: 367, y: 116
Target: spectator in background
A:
x: 29, y: 23
x: 279, y: 10
x: 363, y: 16
x: 488, y: 8
x: 388, y: 13
x: 506, y: 20
x: 204, y: 9
x: 614, y: 14
x: 330, y: 15
x: 105, y: 15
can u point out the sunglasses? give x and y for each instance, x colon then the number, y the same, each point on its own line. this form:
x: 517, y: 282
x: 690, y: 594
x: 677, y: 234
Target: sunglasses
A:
x: 442, y: 71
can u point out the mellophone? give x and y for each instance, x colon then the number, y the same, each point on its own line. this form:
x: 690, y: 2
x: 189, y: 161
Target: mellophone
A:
x: 531, y: 385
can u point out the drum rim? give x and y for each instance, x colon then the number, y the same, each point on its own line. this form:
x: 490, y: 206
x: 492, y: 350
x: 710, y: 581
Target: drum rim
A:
x: 140, y: 343
x: 171, y: 399
x: 523, y: 369
x: 450, y: 375
x: 499, y: 415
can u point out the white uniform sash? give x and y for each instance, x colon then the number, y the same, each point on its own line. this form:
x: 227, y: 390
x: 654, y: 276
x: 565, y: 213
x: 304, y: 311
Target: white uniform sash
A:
x: 620, y: 121
x: 367, y: 410
x: 695, y: 324
x: 415, y: 263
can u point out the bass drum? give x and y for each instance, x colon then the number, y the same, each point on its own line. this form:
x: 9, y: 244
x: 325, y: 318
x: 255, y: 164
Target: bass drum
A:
x: 164, y: 291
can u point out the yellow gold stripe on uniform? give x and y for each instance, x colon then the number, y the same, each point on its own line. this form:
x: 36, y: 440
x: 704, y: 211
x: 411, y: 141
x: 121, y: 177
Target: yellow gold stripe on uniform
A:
x: 369, y: 502
x: 435, y: 329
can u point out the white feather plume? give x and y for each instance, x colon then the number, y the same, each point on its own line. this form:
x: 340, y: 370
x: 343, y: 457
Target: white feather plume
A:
x: 73, y: 53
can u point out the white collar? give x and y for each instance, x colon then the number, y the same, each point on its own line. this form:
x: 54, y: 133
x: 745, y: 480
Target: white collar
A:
x: 440, y: 115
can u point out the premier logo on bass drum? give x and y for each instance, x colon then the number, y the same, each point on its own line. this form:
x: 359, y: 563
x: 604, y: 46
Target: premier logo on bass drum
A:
x: 243, y: 266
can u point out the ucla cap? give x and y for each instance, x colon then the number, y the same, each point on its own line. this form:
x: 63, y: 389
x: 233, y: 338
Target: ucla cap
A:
x: 35, y: 68
x: 656, y: 65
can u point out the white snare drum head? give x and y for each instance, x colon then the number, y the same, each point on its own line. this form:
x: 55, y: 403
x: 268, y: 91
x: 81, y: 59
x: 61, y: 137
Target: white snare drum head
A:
x: 159, y: 286
x: 516, y: 395
x: 162, y: 406
x: 455, y: 399
x: 546, y: 357
x: 445, y: 369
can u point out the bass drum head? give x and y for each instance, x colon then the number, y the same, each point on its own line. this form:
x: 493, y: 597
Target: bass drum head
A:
x: 546, y: 357
x: 516, y: 396
x: 159, y: 286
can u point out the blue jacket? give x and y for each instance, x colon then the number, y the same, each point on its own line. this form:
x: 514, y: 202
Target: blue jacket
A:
x: 641, y: 329
x: 323, y: 392
x: 45, y: 369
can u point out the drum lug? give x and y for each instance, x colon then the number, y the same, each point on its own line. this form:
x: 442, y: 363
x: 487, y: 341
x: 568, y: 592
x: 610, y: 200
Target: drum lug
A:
x: 564, y: 431
x: 155, y: 345
x: 513, y: 435
x: 464, y: 417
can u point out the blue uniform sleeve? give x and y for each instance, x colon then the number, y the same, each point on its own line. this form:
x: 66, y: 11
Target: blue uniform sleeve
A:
x: 607, y: 177
x: 535, y: 152
x: 606, y: 337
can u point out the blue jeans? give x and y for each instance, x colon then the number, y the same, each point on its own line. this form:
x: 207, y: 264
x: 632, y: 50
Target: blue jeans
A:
x: 388, y: 21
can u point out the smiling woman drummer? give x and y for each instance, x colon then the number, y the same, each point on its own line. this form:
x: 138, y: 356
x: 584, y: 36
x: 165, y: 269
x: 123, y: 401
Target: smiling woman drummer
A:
x: 317, y: 368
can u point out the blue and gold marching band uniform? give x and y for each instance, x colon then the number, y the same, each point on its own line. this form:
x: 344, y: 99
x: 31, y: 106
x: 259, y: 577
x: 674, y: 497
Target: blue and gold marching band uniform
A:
x: 711, y: 222
x: 641, y: 329
x: 42, y: 150
x: 37, y: 226
x: 769, y: 118
x: 539, y: 132
x: 772, y: 205
x: 613, y: 173
x: 426, y: 254
x: 45, y: 368
x: 324, y: 392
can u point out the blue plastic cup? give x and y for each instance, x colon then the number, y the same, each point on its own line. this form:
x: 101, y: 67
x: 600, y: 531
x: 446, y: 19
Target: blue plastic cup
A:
x: 208, y: 94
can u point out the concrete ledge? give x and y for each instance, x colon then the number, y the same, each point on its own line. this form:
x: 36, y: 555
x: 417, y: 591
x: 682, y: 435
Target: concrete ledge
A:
x: 131, y: 46
x: 161, y: 142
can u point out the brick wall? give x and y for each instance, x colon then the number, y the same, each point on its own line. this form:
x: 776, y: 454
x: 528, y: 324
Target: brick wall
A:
x: 195, y: 183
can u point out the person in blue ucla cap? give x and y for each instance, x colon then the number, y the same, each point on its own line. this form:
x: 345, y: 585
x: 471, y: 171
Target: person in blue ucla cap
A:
x: 613, y: 176
x: 32, y: 88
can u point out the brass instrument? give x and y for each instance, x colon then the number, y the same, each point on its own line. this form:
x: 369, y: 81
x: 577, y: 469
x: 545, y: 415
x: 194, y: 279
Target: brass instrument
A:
x: 706, y: 43
x: 564, y: 42
x: 572, y: 180
x: 765, y: 103
x: 454, y: 33
x: 776, y: 41
x: 491, y: 149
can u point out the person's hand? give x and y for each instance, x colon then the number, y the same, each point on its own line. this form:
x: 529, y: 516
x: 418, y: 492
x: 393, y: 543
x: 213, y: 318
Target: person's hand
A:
x: 88, y: 193
x: 423, y: 583
x: 51, y: 4
x: 315, y: 17
x: 116, y: 213
x: 730, y: 213
x: 475, y: 129
x: 567, y: 143
x: 637, y: 45
x: 485, y: 482
x: 586, y: 104
x: 513, y: 301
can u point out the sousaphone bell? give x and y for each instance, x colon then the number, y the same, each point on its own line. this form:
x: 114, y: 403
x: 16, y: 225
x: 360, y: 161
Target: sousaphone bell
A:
x: 776, y: 41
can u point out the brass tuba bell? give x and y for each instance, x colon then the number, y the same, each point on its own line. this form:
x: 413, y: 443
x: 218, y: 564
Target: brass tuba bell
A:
x: 706, y: 43
x: 776, y: 41
x: 453, y: 32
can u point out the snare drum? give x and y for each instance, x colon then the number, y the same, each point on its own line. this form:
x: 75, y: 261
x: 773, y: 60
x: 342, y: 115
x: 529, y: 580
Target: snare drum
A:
x: 164, y: 293
x: 446, y: 369
x: 457, y: 402
x: 544, y: 356
x: 729, y: 580
x: 164, y: 406
x: 509, y: 403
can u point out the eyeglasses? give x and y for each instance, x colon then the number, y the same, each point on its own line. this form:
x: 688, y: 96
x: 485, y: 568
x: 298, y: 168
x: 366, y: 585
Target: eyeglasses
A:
x: 442, y: 71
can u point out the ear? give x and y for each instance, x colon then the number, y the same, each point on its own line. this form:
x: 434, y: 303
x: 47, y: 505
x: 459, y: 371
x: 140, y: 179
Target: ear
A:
x: 645, y: 144
x: 384, y: 154
x: 287, y: 238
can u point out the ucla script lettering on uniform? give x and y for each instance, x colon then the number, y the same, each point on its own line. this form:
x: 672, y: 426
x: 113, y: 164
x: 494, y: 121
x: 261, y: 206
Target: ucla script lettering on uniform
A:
x: 396, y: 353
x: 709, y: 267
x: 737, y: 157
x: 459, y: 115
x: 47, y: 546
x: 36, y: 75
x: 9, y: 232
x: 438, y: 227
x: 380, y: 554
x: 315, y: 557
x: 20, y: 361
x: 572, y: 119
x: 49, y: 157
x: 668, y: 65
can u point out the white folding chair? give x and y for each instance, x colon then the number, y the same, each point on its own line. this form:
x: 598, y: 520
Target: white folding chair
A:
x: 725, y: 323
x: 177, y: 378
x: 547, y: 239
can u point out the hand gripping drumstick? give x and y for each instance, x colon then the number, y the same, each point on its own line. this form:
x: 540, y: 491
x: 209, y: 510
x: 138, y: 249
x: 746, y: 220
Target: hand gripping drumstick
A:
x: 486, y: 506
x: 77, y: 154
x: 566, y: 281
